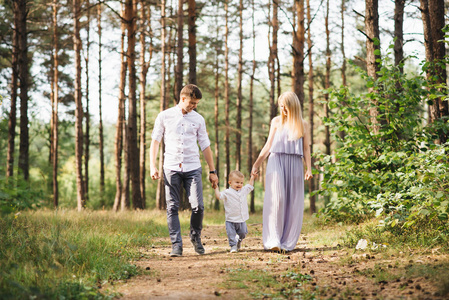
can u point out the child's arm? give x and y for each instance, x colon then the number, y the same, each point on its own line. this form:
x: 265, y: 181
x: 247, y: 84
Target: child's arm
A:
x: 251, y: 180
x: 217, y: 192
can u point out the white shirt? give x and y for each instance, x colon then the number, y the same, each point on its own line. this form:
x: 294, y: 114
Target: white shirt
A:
x: 181, y: 133
x: 235, y: 204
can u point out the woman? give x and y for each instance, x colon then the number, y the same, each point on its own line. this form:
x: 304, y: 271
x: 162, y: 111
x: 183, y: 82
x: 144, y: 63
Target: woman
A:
x: 283, y: 207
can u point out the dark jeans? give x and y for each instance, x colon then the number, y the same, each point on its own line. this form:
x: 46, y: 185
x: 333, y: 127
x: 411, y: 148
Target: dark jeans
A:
x: 191, y: 181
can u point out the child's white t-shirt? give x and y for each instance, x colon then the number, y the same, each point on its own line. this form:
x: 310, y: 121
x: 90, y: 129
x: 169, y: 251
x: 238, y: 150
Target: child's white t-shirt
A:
x: 235, y: 203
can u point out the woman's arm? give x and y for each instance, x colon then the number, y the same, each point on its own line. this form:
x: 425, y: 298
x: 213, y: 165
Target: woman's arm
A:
x: 306, y: 151
x: 266, y: 148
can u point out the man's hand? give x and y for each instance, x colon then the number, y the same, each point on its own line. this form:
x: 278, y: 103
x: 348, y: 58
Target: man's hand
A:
x: 213, y: 178
x: 154, y: 173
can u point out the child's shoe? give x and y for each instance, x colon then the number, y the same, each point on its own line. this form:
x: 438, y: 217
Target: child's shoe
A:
x: 234, y: 249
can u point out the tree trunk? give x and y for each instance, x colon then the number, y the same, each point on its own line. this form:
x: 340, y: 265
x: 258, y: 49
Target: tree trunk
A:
x: 87, y: 113
x: 227, y: 148
x: 192, y: 41
x: 180, y: 54
x: 398, y: 33
x: 133, y: 155
x: 298, y: 53
x: 343, y: 54
x: 100, y: 109
x: 14, y: 86
x: 78, y: 108
x: 436, y: 16
x: 238, y: 131
x: 143, y: 82
x: 160, y: 193
x: 312, y: 199
x: 272, y: 58
x: 251, y: 104
x: 216, y: 110
x: 125, y: 203
x: 327, y: 140
x: 120, y: 119
x: 24, y: 86
x: 372, y: 46
x: 55, y: 105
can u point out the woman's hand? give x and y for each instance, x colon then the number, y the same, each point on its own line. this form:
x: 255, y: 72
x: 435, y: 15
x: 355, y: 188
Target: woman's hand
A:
x: 255, y: 171
x: 308, y: 175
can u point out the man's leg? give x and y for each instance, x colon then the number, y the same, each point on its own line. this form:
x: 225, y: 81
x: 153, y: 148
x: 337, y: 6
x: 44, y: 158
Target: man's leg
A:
x: 173, y: 182
x: 194, y: 189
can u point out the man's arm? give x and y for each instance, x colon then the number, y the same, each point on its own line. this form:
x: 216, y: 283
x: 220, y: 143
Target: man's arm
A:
x: 154, y: 149
x: 208, y: 156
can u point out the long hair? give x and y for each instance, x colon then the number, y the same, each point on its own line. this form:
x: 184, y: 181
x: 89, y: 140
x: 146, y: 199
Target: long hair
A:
x: 293, y: 120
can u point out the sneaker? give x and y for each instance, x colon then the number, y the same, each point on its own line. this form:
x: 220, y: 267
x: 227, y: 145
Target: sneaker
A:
x: 196, y: 242
x: 176, y: 252
x: 234, y: 249
x: 239, y: 244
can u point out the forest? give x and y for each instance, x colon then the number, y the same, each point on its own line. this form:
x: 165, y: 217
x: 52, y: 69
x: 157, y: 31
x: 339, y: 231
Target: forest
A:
x: 81, y: 84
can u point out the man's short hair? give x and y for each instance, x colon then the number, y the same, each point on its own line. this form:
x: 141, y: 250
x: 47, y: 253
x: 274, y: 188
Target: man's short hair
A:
x: 191, y: 91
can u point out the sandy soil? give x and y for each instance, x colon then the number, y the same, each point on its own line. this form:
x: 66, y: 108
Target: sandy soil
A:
x: 339, y: 273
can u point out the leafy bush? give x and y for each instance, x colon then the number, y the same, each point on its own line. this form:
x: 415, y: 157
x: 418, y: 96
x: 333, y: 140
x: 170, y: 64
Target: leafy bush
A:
x: 395, y: 172
x: 17, y: 195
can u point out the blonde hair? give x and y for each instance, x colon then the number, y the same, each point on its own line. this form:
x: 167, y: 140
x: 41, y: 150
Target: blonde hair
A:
x: 236, y: 173
x: 293, y: 120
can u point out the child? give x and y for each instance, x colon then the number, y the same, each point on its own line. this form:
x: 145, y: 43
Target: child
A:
x: 236, y: 208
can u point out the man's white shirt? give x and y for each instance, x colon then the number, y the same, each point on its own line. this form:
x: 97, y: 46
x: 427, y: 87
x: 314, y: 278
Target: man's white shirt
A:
x: 235, y: 203
x: 181, y: 133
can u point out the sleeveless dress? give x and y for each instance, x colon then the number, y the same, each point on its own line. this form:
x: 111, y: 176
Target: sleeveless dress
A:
x: 283, y: 205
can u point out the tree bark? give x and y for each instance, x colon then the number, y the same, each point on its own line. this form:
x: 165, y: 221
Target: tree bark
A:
x: 87, y: 113
x: 192, y: 41
x: 120, y: 119
x: 399, y: 33
x: 227, y: 136
x: 100, y: 108
x: 180, y: 54
x: 55, y: 105
x: 125, y: 203
x: 272, y: 59
x: 327, y: 140
x: 372, y: 46
x: 133, y: 151
x: 24, y: 86
x: 343, y: 54
x: 14, y: 87
x: 216, y: 108
x: 238, y: 132
x: 312, y: 199
x: 251, y: 104
x: 298, y: 53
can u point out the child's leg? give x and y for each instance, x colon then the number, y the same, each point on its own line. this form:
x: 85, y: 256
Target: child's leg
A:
x: 230, y: 230
x: 241, y: 230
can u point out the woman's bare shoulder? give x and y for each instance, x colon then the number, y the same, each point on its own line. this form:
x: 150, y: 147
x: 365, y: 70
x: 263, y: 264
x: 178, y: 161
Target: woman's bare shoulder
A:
x: 276, y: 121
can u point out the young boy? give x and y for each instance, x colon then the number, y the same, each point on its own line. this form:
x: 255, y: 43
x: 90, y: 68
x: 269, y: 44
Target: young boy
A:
x: 236, y: 208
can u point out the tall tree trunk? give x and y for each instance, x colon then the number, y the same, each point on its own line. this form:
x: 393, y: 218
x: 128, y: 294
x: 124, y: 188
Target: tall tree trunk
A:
x: 100, y: 108
x: 273, y: 55
x: 398, y: 33
x: 372, y: 44
x: 125, y: 200
x: 238, y: 131
x: 298, y: 53
x: 79, y: 107
x: 87, y: 113
x: 342, y: 45
x: 251, y: 104
x: 327, y: 140
x: 192, y: 41
x: 133, y: 151
x: 180, y: 54
x: 55, y: 105
x: 143, y: 82
x: 24, y: 86
x: 14, y: 86
x: 216, y: 108
x: 227, y: 136
x: 160, y: 193
x: 120, y: 119
x: 437, y: 23
x: 312, y: 199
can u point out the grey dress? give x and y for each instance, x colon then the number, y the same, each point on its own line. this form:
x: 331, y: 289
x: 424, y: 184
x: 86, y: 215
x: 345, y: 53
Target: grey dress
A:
x: 283, y: 205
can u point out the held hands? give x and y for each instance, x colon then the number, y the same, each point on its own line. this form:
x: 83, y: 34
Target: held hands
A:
x: 308, y: 175
x: 255, y: 171
x: 213, y: 178
x: 154, y: 173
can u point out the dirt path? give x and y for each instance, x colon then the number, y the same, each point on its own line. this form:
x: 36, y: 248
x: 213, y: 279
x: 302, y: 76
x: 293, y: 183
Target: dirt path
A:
x: 332, y: 273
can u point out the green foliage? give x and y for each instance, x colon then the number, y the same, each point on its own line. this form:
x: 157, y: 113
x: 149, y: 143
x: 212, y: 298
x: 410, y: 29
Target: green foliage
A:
x: 17, y: 195
x: 395, y: 172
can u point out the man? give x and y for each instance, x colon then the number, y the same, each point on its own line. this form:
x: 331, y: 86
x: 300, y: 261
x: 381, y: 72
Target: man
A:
x: 182, y: 128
